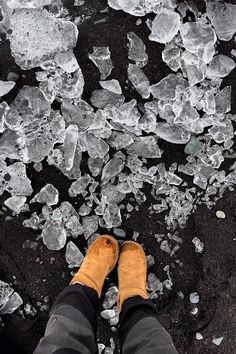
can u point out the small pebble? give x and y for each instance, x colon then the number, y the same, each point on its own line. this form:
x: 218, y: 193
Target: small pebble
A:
x: 220, y: 214
x: 119, y: 232
x: 194, y: 298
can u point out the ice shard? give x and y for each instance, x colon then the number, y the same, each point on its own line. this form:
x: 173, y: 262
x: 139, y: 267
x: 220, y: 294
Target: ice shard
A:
x: 172, y: 133
x: 16, y: 204
x: 146, y: 147
x: 54, y: 235
x: 139, y: 80
x: 70, y: 145
x: 165, y: 26
x: 111, y: 85
x: 32, y: 27
x: 101, y: 57
x: 9, y: 299
x: 220, y: 66
x: 137, y: 50
x: 5, y: 87
x: 74, y: 257
x: 23, y: 4
x: 48, y: 195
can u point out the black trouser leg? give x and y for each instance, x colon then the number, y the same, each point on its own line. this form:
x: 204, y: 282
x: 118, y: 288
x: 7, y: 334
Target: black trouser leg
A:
x: 72, y: 324
x: 140, y: 331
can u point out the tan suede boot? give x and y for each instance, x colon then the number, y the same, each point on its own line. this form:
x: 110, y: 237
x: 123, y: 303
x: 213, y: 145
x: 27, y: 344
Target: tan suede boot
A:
x: 132, y: 272
x: 99, y: 261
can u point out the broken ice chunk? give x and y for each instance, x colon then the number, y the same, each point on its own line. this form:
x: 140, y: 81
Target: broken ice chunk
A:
x: 146, y: 147
x: 172, y: 133
x: 139, y: 80
x: 120, y: 140
x: 70, y: 145
x: 112, y: 216
x: 5, y: 87
x: 198, y: 37
x: 199, y: 245
x: 39, y: 27
x: 102, y: 98
x: 67, y: 61
x: 90, y: 225
x: 96, y: 147
x: 4, y: 108
x: 74, y: 257
x: 136, y: 7
x: 137, y: 50
x: 54, y: 235
x: 111, y: 85
x: 112, y: 169
x: 33, y: 222
x: 154, y: 284
x: 223, y: 18
x: 166, y: 88
x: 220, y: 66
x: 193, y: 147
x: 194, y: 298
x: 95, y: 165
x: 79, y: 186
x: 171, y: 55
x: 16, y: 204
x: 17, y: 4
x: 165, y: 26
x: 110, y: 298
x: 48, y: 195
x: 9, y: 300
x: 101, y: 57
x: 217, y: 341
x: 223, y: 100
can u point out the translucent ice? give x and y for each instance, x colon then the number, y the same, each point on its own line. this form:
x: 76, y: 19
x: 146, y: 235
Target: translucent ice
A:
x: 136, y: 7
x: 5, y: 87
x: 165, y: 26
x: 101, y: 57
x: 110, y: 298
x: 67, y: 61
x: 37, y: 26
x: 70, y: 145
x: 112, y: 216
x: 102, y: 98
x: 17, y: 4
x: 4, y: 108
x: 16, y: 204
x: 166, y: 88
x: 9, y: 300
x: 54, y: 235
x: 223, y: 17
x: 146, y: 147
x: 139, y: 80
x: 220, y: 66
x: 112, y: 169
x: 74, y: 257
x: 111, y: 85
x: 90, y: 225
x: 137, y: 50
x: 78, y: 187
x: 48, y: 195
x: 172, y: 133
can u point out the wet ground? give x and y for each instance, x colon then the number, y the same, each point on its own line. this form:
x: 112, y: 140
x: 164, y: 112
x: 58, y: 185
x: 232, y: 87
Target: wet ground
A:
x: 36, y: 275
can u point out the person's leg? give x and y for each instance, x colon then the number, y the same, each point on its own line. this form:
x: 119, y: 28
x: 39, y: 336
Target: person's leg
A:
x: 72, y: 324
x: 140, y: 330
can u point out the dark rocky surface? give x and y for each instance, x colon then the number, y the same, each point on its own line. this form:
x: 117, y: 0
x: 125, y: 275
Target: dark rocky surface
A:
x: 212, y: 274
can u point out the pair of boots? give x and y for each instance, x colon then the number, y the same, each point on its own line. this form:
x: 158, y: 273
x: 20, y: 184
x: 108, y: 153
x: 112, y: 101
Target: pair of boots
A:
x: 100, y: 260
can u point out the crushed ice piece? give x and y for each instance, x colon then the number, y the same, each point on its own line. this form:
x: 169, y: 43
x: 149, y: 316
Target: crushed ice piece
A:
x: 223, y: 100
x: 194, y: 311
x: 30, y: 244
x: 67, y: 61
x: 110, y: 298
x: 30, y: 310
x: 101, y: 57
x: 135, y: 236
x: 172, y: 133
x: 120, y: 140
x: 119, y: 232
x: 223, y: 18
x: 165, y: 26
x: 112, y: 216
x: 166, y: 88
x: 78, y: 187
x: 23, y: 4
x: 74, y: 257
x: 16, y: 204
x: 154, y: 284
x: 38, y: 26
x: 9, y: 300
x: 146, y: 147
x: 4, y: 108
x: 137, y: 50
x: 48, y: 195
x: 193, y: 147
x: 199, y: 336
x: 220, y: 214
x: 199, y: 245
x: 102, y: 98
x: 5, y: 87
x: 198, y: 37
x: 38, y: 166
x: 101, y: 348
x: 194, y: 298
x: 220, y: 66
x: 54, y: 235
x: 111, y: 85
x: 70, y: 145
x: 97, y: 148
x: 171, y: 55
x: 90, y: 225
x: 139, y: 80
x: 111, y: 315
x: 165, y: 247
x: 112, y: 168
x: 150, y: 260
x: 33, y: 222
x: 13, y: 179
x: 217, y: 341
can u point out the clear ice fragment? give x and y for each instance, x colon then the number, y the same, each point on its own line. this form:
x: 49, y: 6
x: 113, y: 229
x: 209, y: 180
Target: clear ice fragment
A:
x: 23, y: 4
x: 172, y: 133
x: 139, y: 80
x: 220, y: 66
x: 67, y: 61
x: 38, y: 27
x: 78, y: 187
x: 5, y: 87
x: 54, y: 235
x: 74, y: 257
x: 90, y: 225
x: 166, y: 88
x: 137, y: 50
x: 146, y: 147
x: 16, y: 204
x: 110, y: 298
x: 112, y: 169
x: 111, y: 85
x: 9, y: 300
x: 102, y: 98
x: 101, y: 57
x: 70, y: 145
x: 165, y: 26
x: 48, y: 195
